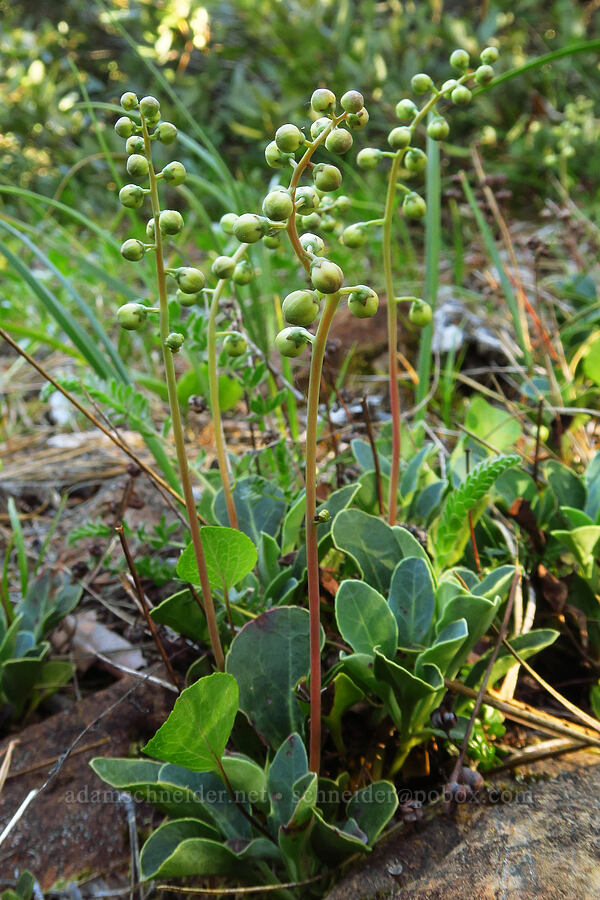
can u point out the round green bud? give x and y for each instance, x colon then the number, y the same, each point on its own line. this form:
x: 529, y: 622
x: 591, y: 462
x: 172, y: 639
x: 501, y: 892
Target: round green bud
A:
x: 137, y: 165
x: 272, y: 242
x: 223, y: 267
x: 342, y: 203
x: 301, y: 307
x: 291, y: 341
x: 174, y: 173
x: 322, y: 516
x: 312, y: 243
x: 275, y: 158
x: 484, y: 74
x: 150, y: 231
x: 288, y: 138
x: 131, y: 196
x: 132, y: 316
x: 124, y: 127
x: 406, y: 110
x: 326, y: 276
x: 363, y: 302
x: 368, y: 158
x: 449, y: 85
x: 355, y: 235
x: 129, y: 100
x: 319, y: 126
x: 227, y: 221
x: 399, y: 137
x: 326, y: 177
x: 188, y: 300
x: 278, y: 205
x: 461, y: 95
x: 312, y: 220
x: 170, y: 221
x: 352, y: 101
x: 323, y: 101
x: 415, y: 160
x: 235, y: 344
x: 306, y: 199
x: 328, y: 223
x: 339, y: 141
x: 243, y: 272
x: 166, y: 133
x: 250, y: 228
x: 438, y: 129
x: 420, y: 313
x: 421, y: 83
x: 132, y: 250
x: 413, y: 206
x: 459, y: 59
x: 135, y: 144
x: 489, y: 56
x: 174, y: 341
x: 189, y: 280
x: 358, y: 120
x: 150, y: 107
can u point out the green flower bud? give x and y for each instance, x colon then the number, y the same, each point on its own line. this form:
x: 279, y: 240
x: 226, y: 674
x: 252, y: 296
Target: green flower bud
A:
x: 137, y: 165
x: 352, y: 101
x: 250, y: 228
x: 227, y: 222
x: 323, y: 516
x: 355, y: 235
x: 415, y: 160
x: 420, y: 313
x: 272, y: 242
x: 363, y: 302
x: 342, y: 203
x: 421, y: 83
x: 174, y: 173
x: 235, y: 344
x: 489, y: 56
x: 189, y: 280
x: 129, y: 100
x: 484, y: 74
x: 150, y: 108
x: 170, y: 221
x: 132, y: 250
x: 406, y: 110
x: 461, y: 95
x: 288, y: 138
x: 132, y: 316
x: 274, y: 156
x: 414, y: 206
x: 326, y: 275
x: 319, y: 126
x: 187, y: 300
x: 278, y: 205
x: 323, y: 101
x: 438, y: 129
x: 449, y: 85
x: 291, y: 341
x: 459, y: 59
x: 339, y: 141
x: 150, y: 232
x: 328, y: 223
x: 312, y: 220
x: 327, y: 177
x: 399, y: 137
x: 312, y: 243
x: 134, y: 144
x: 358, y: 120
x: 368, y: 158
x: 174, y: 341
x: 301, y: 307
x: 223, y: 267
x: 131, y: 196
x: 124, y: 127
x: 166, y: 133
x: 243, y: 272
x: 307, y: 199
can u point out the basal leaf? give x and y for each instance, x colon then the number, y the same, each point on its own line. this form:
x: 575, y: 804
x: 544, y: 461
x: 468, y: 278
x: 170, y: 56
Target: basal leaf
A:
x: 412, y: 600
x: 364, y: 619
x: 230, y: 556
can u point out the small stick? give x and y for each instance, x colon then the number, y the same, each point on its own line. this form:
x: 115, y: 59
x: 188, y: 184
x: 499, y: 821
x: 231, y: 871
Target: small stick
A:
x: 144, y: 605
x: 471, y: 527
x: 371, y: 437
x: 538, y: 440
